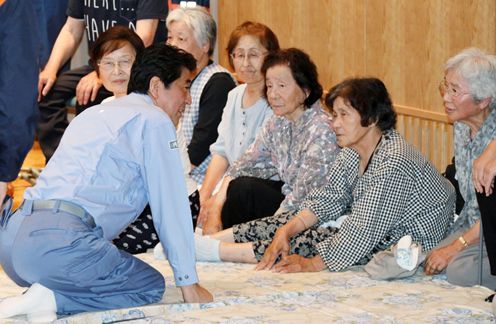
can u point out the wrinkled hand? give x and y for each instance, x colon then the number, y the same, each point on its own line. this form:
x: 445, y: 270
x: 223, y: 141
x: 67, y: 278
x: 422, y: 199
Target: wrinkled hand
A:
x: 46, y: 81
x: 278, y: 247
x: 196, y: 294
x: 297, y: 263
x: 87, y: 88
x: 205, y: 205
x: 484, y: 171
x: 439, y: 259
x: 210, y: 216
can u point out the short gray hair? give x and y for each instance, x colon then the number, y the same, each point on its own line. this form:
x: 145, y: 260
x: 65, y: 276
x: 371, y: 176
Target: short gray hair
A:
x: 201, y: 23
x: 479, y: 70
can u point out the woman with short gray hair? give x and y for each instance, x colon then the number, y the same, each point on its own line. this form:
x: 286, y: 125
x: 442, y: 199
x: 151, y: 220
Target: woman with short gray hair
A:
x: 469, y: 95
x: 194, y: 30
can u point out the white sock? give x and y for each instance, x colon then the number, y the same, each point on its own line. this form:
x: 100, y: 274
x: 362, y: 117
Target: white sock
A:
x: 38, y: 303
x: 207, y: 248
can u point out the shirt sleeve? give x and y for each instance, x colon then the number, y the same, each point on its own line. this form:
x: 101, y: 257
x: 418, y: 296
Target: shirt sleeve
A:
x: 19, y: 50
x: 212, y: 102
x: 168, y: 201
x: 318, y: 157
x: 257, y: 161
x: 372, y: 216
x: 151, y: 9
x: 75, y: 9
x: 225, y: 127
x: 332, y: 200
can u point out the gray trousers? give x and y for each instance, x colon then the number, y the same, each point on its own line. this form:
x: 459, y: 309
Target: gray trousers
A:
x: 463, y: 270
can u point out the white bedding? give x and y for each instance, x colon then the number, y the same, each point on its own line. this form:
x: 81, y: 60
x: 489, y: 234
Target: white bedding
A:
x: 243, y: 295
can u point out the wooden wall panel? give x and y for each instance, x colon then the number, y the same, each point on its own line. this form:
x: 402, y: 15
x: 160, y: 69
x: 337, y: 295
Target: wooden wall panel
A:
x: 403, y: 42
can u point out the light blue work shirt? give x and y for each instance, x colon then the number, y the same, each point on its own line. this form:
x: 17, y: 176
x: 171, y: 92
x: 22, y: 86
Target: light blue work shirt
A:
x: 112, y: 160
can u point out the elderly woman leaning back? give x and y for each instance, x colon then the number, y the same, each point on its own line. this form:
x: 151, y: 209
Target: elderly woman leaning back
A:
x: 382, y: 185
x: 469, y: 95
x: 291, y: 155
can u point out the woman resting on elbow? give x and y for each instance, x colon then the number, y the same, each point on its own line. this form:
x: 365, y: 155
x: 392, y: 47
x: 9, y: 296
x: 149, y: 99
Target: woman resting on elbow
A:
x: 246, y: 109
x: 291, y: 155
x: 384, y: 186
x: 469, y: 95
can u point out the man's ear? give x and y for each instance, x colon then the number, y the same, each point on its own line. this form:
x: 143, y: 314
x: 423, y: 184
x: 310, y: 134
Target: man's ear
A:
x: 154, y: 87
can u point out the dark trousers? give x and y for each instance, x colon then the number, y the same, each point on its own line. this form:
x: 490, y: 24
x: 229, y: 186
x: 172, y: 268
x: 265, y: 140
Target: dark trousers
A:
x: 487, y: 207
x: 250, y: 198
x: 141, y: 235
x: 53, y: 112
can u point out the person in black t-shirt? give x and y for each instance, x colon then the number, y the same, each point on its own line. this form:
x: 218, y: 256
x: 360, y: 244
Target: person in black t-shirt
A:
x: 83, y: 82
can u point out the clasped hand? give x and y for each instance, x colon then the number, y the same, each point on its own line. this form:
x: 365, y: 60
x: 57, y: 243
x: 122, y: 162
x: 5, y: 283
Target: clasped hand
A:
x: 288, y: 263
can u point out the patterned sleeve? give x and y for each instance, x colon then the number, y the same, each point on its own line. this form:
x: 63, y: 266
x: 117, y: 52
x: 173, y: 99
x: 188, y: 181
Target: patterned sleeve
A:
x: 332, y: 200
x: 372, y: 216
x: 316, y: 163
x: 257, y: 161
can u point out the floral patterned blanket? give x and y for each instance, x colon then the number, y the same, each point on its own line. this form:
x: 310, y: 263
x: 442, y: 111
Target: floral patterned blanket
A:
x: 243, y: 295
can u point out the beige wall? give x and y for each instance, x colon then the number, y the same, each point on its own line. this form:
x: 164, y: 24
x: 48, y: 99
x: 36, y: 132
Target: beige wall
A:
x: 403, y: 42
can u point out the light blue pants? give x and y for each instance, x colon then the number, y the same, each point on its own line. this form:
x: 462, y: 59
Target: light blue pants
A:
x: 84, y: 270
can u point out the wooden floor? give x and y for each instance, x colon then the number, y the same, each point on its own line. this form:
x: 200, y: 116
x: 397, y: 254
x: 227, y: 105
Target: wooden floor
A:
x: 34, y: 159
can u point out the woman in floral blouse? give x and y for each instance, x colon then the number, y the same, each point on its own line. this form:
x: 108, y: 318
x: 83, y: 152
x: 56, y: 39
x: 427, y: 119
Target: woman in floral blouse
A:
x: 291, y: 155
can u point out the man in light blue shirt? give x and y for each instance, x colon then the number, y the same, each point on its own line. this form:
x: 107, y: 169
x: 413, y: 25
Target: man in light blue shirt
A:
x: 112, y: 160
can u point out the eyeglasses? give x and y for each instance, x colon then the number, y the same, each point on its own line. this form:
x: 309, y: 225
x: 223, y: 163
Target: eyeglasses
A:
x: 110, y: 65
x: 444, y: 88
x: 240, y: 56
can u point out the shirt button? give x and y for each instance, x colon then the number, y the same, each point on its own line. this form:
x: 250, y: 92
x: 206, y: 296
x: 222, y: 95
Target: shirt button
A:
x: 186, y: 277
x: 180, y: 279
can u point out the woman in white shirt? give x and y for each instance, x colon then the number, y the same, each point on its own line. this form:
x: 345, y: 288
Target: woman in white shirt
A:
x: 246, y: 109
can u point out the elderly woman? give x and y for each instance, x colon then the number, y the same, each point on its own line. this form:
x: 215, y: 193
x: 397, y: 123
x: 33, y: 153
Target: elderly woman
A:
x: 246, y: 109
x: 469, y: 94
x: 101, y: 177
x: 291, y: 155
x: 195, y: 31
x: 384, y: 187
x: 112, y: 57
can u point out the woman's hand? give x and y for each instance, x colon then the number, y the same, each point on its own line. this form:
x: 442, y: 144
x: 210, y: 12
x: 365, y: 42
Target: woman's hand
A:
x: 196, y: 294
x: 210, y: 216
x: 278, y: 247
x: 484, y: 170
x: 439, y: 258
x: 87, y: 88
x: 297, y: 263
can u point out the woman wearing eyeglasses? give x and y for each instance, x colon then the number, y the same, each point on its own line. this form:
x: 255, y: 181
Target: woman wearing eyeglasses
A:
x: 113, y: 55
x: 469, y: 95
x: 245, y: 112
x: 296, y: 147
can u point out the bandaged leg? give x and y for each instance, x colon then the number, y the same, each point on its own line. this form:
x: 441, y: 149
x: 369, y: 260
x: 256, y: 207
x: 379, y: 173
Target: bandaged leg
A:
x: 37, y: 303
